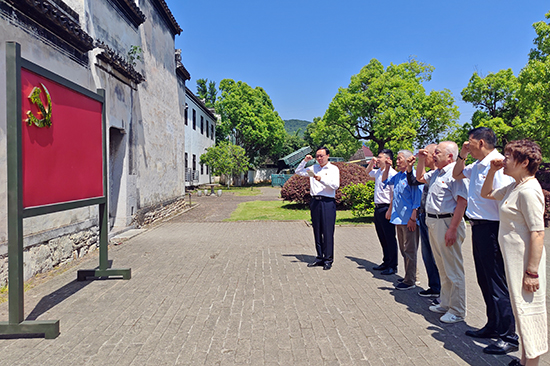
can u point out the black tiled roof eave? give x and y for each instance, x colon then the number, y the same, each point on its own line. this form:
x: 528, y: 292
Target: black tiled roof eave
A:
x: 131, y: 11
x: 58, y: 18
x: 167, y: 16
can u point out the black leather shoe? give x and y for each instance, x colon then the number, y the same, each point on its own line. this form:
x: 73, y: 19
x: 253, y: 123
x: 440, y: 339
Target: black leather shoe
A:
x: 515, y: 363
x: 388, y: 271
x: 500, y: 348
x: 327, y: 266
x: 315, y: 264
x: 380, y: 267
x: 482, y: 333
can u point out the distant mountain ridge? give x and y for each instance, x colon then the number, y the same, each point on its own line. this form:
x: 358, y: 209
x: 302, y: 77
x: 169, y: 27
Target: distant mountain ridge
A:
x: 293, y: 125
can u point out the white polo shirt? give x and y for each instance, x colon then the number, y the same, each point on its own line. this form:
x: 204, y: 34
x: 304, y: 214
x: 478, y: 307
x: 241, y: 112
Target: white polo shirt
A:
x: 381, y: 194
x: 480, y: 208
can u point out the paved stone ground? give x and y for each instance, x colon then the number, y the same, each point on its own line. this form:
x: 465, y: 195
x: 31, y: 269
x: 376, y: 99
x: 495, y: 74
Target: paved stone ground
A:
x: 206, y: 292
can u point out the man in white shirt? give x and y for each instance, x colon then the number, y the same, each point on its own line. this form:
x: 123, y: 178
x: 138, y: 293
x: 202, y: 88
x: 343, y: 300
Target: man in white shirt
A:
x: 484, y: 219
x: 446, y: 202
x: 382, y: 199
x: 324, y: 180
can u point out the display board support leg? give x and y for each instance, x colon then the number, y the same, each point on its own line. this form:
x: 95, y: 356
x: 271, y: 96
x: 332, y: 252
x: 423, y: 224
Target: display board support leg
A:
x: 104, y: 270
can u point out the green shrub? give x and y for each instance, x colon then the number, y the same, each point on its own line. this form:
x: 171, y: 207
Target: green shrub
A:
x: 360, y: 198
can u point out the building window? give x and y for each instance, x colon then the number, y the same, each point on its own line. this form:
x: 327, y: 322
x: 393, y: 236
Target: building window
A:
x: 207, y: 170
x: 202, y: 169
x: 186, y: 161
x: 212, y: 131
x: 194, y: 119
x: 186, y: 114
x: 194, y: 162
x: 202, y: 125
x: 207, y: 130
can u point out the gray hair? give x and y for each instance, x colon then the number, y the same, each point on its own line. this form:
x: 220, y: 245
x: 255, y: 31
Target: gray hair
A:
x: 406, y: 153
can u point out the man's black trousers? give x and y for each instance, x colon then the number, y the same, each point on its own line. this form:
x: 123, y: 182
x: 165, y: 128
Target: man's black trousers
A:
x: 492, y: 279
x: 386, y: 234
x: 323, y: 218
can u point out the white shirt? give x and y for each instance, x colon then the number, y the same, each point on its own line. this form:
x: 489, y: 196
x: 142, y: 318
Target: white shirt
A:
x: 480, y: 208
x: 381, y: 194
x: 330, y: 179
x: 444, y: 190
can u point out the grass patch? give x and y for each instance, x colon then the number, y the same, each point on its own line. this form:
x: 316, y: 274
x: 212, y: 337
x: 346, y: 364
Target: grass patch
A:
x: 245, y: 191
x: 242, y: 191
x: 282, y: 211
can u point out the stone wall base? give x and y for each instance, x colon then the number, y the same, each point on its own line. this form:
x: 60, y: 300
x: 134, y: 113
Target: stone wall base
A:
x: 152, y: 214
x: 43, y: 257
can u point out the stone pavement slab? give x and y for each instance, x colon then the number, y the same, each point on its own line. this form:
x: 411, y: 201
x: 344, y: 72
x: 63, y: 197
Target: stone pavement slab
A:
x: 237, y: 293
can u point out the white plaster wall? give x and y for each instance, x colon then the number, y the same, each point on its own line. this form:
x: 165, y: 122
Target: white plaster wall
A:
x: 195, y: 142
x: 159, y: 130
x: 181, y: 139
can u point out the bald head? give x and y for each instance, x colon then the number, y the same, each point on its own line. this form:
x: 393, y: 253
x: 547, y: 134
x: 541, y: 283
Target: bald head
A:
x: 445, y: 154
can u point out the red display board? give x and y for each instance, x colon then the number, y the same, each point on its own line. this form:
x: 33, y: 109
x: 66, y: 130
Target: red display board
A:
x: 63, y: 162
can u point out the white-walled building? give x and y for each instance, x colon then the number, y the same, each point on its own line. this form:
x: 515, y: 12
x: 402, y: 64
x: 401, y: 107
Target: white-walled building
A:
x: 87, y: 42
x: 200, y: 134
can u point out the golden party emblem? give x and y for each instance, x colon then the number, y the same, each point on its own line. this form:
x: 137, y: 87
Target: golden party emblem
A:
x: 46, y: 113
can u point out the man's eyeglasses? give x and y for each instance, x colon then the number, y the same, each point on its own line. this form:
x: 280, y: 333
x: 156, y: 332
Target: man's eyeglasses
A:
x: 319, y: 156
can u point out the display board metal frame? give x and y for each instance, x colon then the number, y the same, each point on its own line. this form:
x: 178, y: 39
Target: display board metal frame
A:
x: 16, y: 324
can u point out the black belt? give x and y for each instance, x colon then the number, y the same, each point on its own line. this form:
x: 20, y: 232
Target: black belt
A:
x: 379, y: 205
x: 474, y: 222
x: 321, y: 198
x: 440, y: 216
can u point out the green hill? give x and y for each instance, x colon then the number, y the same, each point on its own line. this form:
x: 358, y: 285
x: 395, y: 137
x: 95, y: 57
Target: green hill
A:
x: 293, y: 125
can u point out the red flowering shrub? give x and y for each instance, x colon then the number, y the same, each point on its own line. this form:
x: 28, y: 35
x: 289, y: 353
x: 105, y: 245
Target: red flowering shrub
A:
x: 296, y: 189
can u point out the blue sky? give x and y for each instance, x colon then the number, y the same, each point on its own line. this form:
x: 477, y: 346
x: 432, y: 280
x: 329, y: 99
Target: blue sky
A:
x: 302, y: 51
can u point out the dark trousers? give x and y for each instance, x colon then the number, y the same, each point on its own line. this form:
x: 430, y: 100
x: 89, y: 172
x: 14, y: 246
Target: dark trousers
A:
x: 492, y: 279
x: 427, y: 256
x: 323, y: 218
x: 386, y: 234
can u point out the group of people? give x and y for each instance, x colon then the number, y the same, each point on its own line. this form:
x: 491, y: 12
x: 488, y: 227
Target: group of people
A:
x: 504, y: 204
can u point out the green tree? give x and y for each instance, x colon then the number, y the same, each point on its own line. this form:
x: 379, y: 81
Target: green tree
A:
x: 541, y: 41
x: 340, y: 142
x: 390, y: 108
x: 225, y: 159
x: 202, y: 90
x: 292, y: 142
x: 207, y: 91
x: 534, y: 93
x: 496, y: 98
x: 249, y: 119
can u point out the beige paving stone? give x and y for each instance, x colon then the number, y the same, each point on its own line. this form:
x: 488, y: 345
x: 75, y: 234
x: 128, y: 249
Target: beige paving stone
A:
x: 240, y: 293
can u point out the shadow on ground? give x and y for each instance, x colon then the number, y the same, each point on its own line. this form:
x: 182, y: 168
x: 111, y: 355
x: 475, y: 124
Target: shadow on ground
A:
x: 58, y: 296
x: 451, y: 336
x: 301, y: 257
